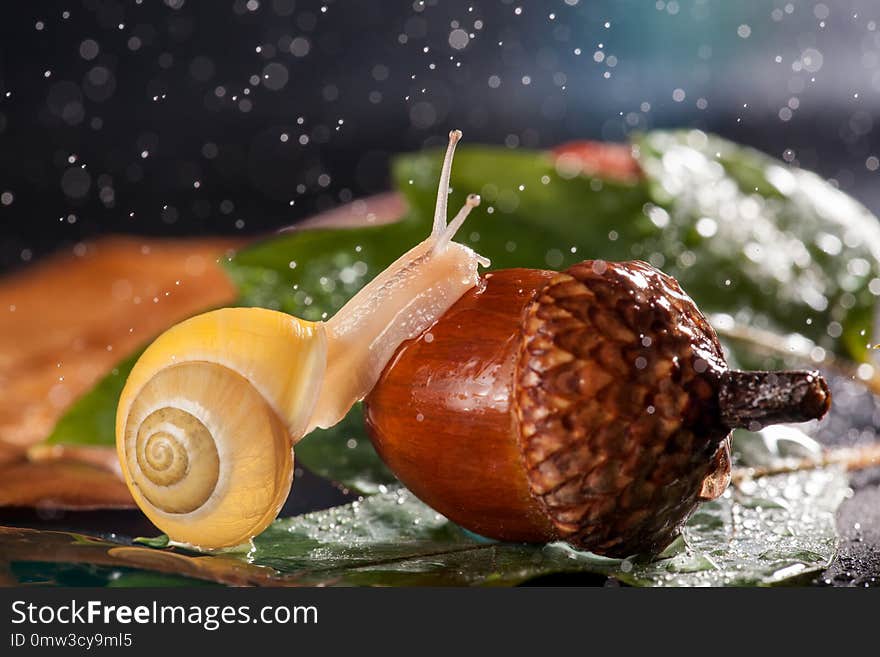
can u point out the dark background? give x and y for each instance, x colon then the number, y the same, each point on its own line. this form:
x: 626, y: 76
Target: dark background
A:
x: 112, y: 111
x: 239, y: 117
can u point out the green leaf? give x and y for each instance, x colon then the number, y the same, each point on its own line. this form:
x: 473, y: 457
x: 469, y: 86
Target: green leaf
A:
x: 392, y: 539
x: 531, y: 216
x: 312, y: 273
x: 748, y: 235
x: 744, y: 233
x: 160, y: 541
x: 767, y: 531
x: 345, y: 455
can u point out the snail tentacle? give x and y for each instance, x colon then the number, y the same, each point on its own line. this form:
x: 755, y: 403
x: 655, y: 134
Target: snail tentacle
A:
x: 443, y: 186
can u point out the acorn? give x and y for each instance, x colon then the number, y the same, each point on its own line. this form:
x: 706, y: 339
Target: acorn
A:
x: 593, y: 406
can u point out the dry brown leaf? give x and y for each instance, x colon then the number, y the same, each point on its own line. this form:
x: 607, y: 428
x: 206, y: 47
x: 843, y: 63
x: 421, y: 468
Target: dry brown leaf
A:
x: 62, y: 484
x: 66, y: 321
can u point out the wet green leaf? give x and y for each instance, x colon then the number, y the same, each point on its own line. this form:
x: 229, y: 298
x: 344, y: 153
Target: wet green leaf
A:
x: 345, y: 455
x: 742, y: 541
x: 776, y: 246
x: 392, y: 539
x: 530, y: 215
x: 767, y: 531
x: 311, y: 273
x: 744, y: 233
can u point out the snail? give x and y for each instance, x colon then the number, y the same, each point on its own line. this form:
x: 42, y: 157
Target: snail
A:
x: 593, y: 406
x: 209, y: 415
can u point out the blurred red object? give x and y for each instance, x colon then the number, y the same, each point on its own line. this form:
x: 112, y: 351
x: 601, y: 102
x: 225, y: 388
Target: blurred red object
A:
x: 594, y: 158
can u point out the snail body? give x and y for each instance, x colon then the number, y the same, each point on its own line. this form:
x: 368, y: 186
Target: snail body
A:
x: 209, y: 415
x: 593, y: 406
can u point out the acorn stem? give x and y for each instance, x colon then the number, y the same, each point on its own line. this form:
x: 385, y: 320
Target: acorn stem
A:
x: 780, y: 346
x: 752, y: 400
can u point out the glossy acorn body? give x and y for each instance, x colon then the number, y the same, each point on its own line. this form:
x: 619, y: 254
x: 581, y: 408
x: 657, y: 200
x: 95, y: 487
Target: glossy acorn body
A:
x: 443, y: 397
x: 580, y: 406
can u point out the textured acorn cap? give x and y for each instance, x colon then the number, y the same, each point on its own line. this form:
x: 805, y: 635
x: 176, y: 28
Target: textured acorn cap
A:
x: 617, y: 400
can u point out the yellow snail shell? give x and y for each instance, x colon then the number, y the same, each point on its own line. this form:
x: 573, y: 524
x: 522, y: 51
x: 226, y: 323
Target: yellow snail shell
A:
x: 206, y: 418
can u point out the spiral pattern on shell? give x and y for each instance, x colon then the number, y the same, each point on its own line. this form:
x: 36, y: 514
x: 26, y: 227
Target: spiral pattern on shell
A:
x: 207, y: 458
x: 164, y: 441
